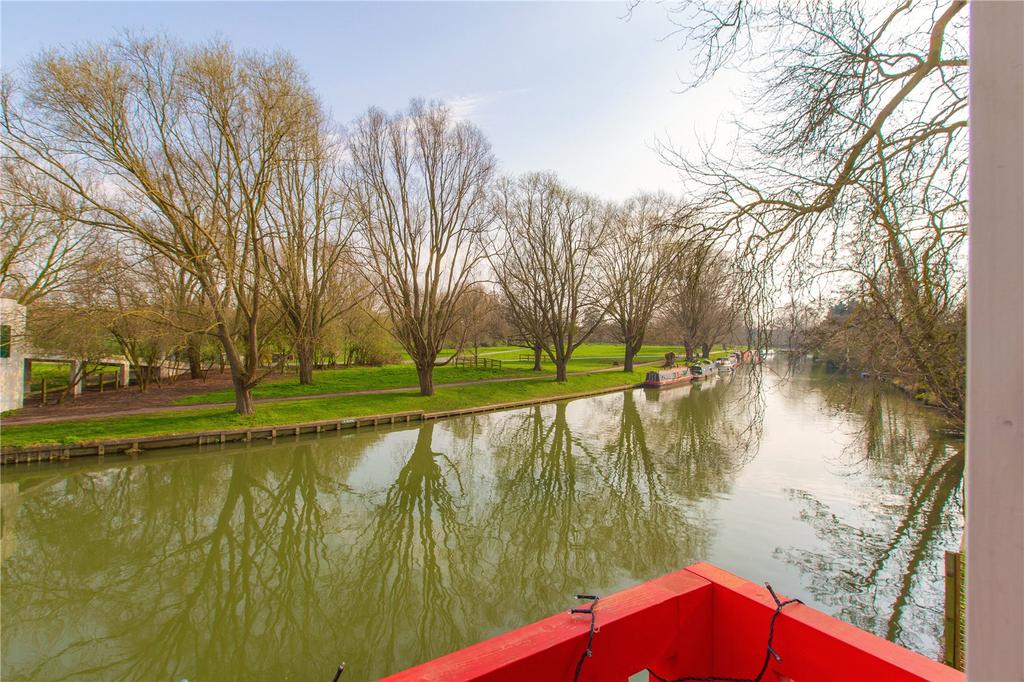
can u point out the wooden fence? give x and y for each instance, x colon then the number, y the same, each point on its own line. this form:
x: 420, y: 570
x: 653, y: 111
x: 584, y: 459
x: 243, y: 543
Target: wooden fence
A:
x: 477, y: 361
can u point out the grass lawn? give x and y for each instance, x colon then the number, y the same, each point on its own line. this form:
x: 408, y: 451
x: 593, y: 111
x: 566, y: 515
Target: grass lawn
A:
x: 313, y: 409
x: 589, y: 356
x: 55, y: 373
x: 485, y: 351
x: 355, y: 379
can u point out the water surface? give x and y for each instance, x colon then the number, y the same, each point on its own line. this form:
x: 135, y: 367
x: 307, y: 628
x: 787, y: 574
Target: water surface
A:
x: 386, y: 547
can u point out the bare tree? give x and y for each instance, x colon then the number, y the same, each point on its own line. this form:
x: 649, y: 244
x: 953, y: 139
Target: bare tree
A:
x: 855, y: 162
x: 75, y: 324
x: 636, y: 263
x: 176, y: 147
x: 480, y: 320
x: 703, y: 302
x: 524, y: 316
x: 418, y: 190
x: 131, y: 306
x: 308, y: 242
x: 361, y: 336
x: 41, y: 242
x: 546, y: 262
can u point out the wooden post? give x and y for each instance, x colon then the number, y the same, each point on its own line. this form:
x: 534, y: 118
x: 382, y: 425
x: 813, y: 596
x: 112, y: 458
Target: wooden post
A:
x: 42, y: 392
x: 953, y: 638
x: 76, y: 378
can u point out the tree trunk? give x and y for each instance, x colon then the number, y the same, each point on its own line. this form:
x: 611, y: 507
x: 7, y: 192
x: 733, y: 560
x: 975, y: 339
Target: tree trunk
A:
x: 536, y: 358
x: 195, y: 357
x: 141, y: 376
x: 689, y: 352
x: 560, y: 371
x: 243, y: 398
x: 426, y: 376
x: 627, y: 366
x: 304, y: 350
x: 705, y: 350
x: 240, y: 377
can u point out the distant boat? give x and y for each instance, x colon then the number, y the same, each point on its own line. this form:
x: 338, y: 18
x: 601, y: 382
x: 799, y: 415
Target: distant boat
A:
x: 703, y: 368
x: 726, y: 364
x: 669, y: 376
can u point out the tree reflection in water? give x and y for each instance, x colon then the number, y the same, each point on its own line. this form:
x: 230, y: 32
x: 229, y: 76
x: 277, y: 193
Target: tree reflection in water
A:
x: 882, y: 569
x: 188, y: 571
x: 705, y: 433
x: 387, y: 547
x: 412, y: 579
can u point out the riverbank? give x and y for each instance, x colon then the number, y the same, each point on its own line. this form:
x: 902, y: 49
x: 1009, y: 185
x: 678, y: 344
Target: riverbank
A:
x: 119, y: 433
x: 215, y: 390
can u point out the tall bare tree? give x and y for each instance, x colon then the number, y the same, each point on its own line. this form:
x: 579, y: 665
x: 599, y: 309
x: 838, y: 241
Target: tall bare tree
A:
x: 308, y: 241
x: 546, y: 262
x: 636, y: 263
x: 174, y: 146
x: 418, y: 194
x: 703, y: 301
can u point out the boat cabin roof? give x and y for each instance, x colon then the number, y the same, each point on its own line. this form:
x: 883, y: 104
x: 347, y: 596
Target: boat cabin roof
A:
x: 668, y: 373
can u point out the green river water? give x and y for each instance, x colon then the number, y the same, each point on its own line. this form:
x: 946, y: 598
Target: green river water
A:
x: 392, y: 545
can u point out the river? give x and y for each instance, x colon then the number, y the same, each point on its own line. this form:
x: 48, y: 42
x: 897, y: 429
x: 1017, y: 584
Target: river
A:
x: 388, y: 546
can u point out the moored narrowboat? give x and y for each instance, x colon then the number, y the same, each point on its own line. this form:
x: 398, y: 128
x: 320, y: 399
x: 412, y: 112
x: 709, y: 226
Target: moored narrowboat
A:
x: 726, y: 364
x: 668, y: 376
x: 700, y: 623
x: 703, y: 369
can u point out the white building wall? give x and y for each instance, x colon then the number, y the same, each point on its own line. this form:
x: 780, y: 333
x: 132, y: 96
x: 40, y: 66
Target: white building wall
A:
x: 994, y: 496
x: 12, y: 369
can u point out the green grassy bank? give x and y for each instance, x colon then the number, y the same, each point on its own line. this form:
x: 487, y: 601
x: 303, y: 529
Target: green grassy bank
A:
x: 356, y: 379
x: 314, y: 409
x: 589, y: 356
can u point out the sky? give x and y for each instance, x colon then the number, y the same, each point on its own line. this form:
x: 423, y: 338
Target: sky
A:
x: 572, y: 87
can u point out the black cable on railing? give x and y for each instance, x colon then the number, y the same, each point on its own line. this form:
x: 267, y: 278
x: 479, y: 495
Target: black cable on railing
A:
x: 769, y: 653
x: 588, y: 610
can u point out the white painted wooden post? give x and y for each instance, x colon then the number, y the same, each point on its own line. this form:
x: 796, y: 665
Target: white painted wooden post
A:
x: 75, y: 374
x: 27, y: 380
x: 995, y: 367
x: 122, y: 375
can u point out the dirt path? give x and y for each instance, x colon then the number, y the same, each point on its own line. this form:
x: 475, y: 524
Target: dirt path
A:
x: 35, y: 415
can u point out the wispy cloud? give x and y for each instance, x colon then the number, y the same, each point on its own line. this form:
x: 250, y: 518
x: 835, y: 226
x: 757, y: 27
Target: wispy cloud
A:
x: 470, y: 106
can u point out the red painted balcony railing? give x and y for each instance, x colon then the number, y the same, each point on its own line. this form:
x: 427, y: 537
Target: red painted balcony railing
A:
x: 694, y: 623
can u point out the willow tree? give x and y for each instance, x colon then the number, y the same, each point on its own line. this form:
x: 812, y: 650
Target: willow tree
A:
x: 418, y: 195
x: 852, y: 160
x: 546, y: 262
x: 175, y: 146
x: 636, y: 263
